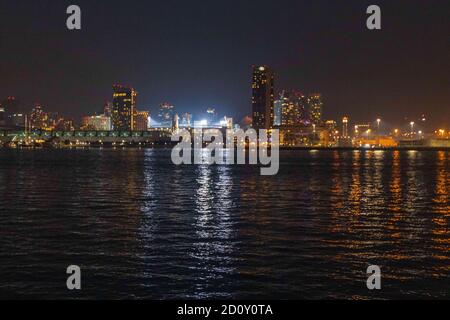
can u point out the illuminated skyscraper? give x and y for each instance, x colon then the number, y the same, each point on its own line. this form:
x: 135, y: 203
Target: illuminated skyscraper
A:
x: 141, y: 121
x: 124, y: 104
x: 316, y: 108
x: 2, y: 116
x: 345, y: 127
x: 263, y: 98
x: 293, y: 109
x: 38, y: 118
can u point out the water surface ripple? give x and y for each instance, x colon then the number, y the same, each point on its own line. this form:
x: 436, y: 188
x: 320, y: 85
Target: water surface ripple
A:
x: 140, y: 227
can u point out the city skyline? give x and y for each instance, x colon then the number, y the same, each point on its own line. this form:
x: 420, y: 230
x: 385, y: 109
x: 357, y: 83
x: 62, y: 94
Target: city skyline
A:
x: 278, y: 96
x: 270, y: 109
x: 297, y: 117
x: 381, y: 73
x: 224, y: 158
x: 288, y: 107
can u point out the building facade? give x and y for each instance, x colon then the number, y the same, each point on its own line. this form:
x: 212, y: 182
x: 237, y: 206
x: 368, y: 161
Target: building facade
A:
x: 123, y: 109
x: 141, y: 121
x: 263, y: 97
x: 2, y: 116
x: 316, y: 108
x: 294, y: 109
x: 38, y: 118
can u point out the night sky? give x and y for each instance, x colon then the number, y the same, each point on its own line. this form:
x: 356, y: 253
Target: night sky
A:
x: 198, y: 54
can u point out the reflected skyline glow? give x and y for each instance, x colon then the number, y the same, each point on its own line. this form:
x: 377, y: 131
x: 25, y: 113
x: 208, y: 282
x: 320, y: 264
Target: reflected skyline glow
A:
x: 155, y: 230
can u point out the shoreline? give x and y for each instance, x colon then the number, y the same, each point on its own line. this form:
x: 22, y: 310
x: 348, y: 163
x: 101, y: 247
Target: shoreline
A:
x: 169, y: 147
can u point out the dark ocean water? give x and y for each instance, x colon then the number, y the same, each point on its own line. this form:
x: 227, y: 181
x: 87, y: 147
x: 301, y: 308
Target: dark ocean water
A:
x: 140, y: 227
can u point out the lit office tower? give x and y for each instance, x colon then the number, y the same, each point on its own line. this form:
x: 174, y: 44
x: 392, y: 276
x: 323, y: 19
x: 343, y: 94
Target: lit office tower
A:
x: 38, y: 118
x: 293, y: 109
x: 345, y: 127
x: 2, y: 116
x: 165, y: 115
x: 263, y: 98
x: 315, y: 106
x: 124, y: 104
x: 141, y: 121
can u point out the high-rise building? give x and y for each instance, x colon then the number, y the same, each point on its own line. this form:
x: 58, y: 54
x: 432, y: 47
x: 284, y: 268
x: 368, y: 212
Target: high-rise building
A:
x: 2, y: 116
x: 124, y: 104
x: 293, y: 109
x: 165, y: 115
x: 141, y: 121
x: 263, y: 97
x: 38, y: 118
x: 345, y: 127
x: 316, y: 108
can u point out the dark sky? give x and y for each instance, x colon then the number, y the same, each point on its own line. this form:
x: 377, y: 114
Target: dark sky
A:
x: 196, y: 54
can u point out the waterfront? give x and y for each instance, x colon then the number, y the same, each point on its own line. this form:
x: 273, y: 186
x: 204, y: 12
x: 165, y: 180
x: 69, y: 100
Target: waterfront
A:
x: 140, y: 227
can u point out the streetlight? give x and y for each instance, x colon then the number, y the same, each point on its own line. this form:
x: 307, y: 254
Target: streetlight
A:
x: 412, y: 127
x: 378, y: 123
